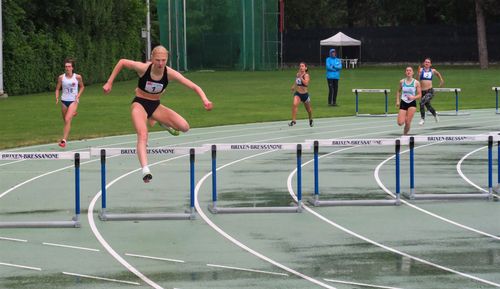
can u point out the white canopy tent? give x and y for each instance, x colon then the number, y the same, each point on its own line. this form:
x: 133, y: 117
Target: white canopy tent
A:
x: 339, y: 39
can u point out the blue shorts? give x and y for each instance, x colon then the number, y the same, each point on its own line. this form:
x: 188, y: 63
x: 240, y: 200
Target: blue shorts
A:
x: 67, y: 103
x: 304, y: 97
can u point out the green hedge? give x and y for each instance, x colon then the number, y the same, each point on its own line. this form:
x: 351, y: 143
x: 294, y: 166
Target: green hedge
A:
x: 39, y: 35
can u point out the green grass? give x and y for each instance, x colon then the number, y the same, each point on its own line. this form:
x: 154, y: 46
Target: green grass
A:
x: 238, y: 97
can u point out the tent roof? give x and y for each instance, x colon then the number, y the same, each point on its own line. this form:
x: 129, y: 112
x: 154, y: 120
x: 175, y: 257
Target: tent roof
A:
x: 340, y: 39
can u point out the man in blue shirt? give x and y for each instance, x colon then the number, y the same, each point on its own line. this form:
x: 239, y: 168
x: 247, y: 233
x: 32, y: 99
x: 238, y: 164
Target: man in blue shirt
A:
x: 333, y: 67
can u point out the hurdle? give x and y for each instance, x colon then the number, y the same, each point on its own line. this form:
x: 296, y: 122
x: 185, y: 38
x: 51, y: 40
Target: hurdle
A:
x: 315, y: 201
x: 449, y: 139
x: 496, y: 89
x: 370, y: 90
x: 75, y: 221
x: 214, y: 209
x: 105, y: 216
x: 456, y: 91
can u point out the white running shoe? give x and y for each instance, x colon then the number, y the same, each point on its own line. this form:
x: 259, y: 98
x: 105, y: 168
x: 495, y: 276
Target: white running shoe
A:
x: 421, y: 122
x: 436, y: 117
x: 146, y: 174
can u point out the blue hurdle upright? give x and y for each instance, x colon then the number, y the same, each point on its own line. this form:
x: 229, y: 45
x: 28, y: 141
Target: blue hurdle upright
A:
x: 450, y: 196
x: 315, y: 201
x: 105, y: 216
x: 75, y: 221
x: 297, y: 208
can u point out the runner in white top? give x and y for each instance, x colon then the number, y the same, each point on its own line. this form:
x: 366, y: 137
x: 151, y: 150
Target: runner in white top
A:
x: 72, y: 88
x: 408, y: 91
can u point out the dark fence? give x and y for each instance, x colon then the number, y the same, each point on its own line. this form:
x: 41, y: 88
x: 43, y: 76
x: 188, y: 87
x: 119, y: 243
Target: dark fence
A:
x: 409, y: 44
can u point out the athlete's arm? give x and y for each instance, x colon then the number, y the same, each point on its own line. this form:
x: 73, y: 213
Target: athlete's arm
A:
x: 175, y: 75
x: 139, y: 67
x: 441, y: 80
x: 58, y: 88
x: 81, y: 87
x: 398, y: 93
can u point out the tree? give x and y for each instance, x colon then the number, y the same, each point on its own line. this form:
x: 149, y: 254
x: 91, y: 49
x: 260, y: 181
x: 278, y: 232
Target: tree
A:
x: 481, y: 35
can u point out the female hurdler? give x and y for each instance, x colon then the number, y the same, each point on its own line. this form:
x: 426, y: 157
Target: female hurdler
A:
x: 154, y: 77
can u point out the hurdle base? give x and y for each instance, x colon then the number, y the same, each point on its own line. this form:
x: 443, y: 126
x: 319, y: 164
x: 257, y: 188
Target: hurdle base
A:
x: 456, y: 113
x: 147, y: 216
x: 251, y: 210
x: 472, y: 196
x: 375, y: 115
x: 41, y: 224
x: 332, y: 203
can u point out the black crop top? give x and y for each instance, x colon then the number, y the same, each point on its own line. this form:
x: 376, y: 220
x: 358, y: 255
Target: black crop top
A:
x: 152, y: 86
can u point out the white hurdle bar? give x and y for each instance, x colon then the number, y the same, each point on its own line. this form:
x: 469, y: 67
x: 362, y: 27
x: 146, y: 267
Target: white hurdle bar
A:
x: 371, y: 90
x: 496, y: 89
x: 456, y: 91
x: 354, y: 142
x: 105, y: 216
x: 214, y: 209
x: 76, y: 156
x: 449, y: 139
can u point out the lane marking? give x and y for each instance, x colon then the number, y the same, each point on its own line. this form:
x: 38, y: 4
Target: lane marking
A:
x: 21, y: 266
x: 101, y: 278
x: 104, y: 243
x: 202, y: 214
x: 70, y: 247
x: 155, y: 258
x: 249, y: 270
x: 366, y: 239
x: 403, y: 201
x: 360, y: 284
x: 459, y: 170
x: 13, y: 239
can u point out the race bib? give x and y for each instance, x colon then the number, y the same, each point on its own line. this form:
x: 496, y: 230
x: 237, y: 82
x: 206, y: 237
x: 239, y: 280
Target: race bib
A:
x: 153, y: 87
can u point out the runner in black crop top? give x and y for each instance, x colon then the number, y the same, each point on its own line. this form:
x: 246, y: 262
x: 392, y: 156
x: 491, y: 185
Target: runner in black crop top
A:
x: 149, y: 85
x: 146, y: 108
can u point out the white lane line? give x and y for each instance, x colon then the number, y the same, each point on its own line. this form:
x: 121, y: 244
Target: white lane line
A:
x: 13, y: 239
x: 360, y: 284
x: 202, y: 214
x: 21, y: 266
x: 248, y: 270
x: 105, y: 244
x: 70, y: 247
x: 9, y: 163
x: 101, y: 278
x: 155, y: 258
x: 385, y: 189
x: 366, y: 239
x: 459, y: 170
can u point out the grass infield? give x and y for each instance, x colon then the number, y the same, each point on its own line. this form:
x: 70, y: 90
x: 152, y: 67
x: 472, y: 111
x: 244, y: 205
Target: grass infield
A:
x: 238, y: 97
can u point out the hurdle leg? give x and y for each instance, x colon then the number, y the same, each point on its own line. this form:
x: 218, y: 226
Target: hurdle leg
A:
x: 496, y: 98
x: 386, y: 103
x: 357, y: 107
x: 490, y: 167
x: 76, y: 218
x: 102, y: 213
x: 191, y: 179
x: 456, y: 102
x: 398, y: 183
x: 299, y: 178
x: 213, y: 207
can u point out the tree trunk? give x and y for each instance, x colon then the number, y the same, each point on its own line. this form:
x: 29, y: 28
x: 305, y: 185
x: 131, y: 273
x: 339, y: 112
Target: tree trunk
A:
x: 481, y: 35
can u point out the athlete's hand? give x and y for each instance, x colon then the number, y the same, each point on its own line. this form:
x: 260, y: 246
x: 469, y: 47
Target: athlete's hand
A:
x: 208, y: 105
x: 107, y: 87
